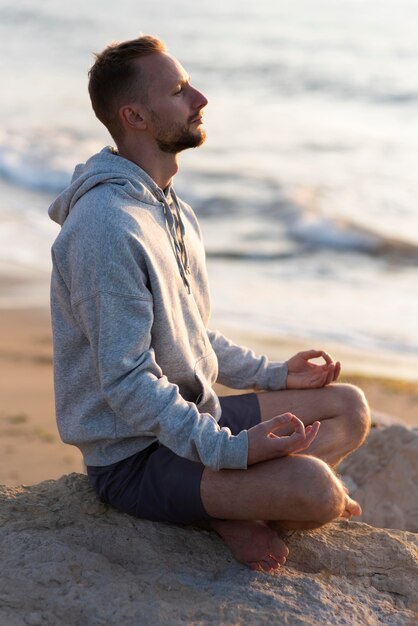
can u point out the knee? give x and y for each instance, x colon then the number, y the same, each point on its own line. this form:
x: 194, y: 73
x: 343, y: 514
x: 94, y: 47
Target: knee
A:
x: 355, y: 409
x: 325, y: 493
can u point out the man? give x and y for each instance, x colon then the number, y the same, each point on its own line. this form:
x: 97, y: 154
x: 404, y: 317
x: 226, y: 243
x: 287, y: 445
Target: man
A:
x: 135, y: 361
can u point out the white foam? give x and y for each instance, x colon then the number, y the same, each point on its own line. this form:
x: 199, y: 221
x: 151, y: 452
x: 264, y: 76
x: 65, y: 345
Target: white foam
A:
x: 42, y: 160
x: 325, y: 232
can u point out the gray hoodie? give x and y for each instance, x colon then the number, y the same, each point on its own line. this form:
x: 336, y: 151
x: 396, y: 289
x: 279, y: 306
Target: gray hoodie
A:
x: 134, y: 361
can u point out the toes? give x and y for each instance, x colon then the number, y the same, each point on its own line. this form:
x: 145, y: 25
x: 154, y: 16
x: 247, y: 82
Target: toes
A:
x: 260, y: 566
x: 272, y: 561
x: 267, y: 565
x: 279, y: 549
x: 356, y: 509
x: 254, y: 565
x: 352, y: 508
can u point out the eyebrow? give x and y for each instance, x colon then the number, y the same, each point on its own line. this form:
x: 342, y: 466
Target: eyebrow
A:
x: 181, y: 82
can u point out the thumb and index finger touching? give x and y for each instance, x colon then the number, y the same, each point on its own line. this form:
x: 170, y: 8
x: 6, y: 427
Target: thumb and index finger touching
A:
x: 316, y: 354
x: 332, y: 367
x: 275, y: 424
x: 278, y: 422
x: 265, y: 444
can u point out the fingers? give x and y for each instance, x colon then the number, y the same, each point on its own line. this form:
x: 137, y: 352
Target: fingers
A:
x: 307, y: 355
x: 337, y: 370
x: 316, y: 354
x: 330, y: 375
x: 333, y: 372
x: 311, y: 432
x: 327, y: 358
x: 285, y: 419
x: 298, y: 425
x: 300, y: 439
x: 264, y: 444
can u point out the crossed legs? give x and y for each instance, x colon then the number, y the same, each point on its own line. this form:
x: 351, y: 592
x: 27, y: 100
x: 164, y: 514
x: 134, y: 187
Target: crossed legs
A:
x: 342, y: 410
x: 296, y: 491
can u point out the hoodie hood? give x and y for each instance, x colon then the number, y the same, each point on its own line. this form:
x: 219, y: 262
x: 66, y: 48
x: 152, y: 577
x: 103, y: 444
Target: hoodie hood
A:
x: 107, y: 167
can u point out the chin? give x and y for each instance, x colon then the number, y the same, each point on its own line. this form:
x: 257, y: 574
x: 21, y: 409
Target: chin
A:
x: 186, y: 141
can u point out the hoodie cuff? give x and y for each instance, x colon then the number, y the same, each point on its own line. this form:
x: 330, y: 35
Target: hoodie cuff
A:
x: 276, y: 376
x: 234, y: 451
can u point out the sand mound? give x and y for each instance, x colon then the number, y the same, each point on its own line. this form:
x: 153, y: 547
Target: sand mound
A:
x: 69, y: 560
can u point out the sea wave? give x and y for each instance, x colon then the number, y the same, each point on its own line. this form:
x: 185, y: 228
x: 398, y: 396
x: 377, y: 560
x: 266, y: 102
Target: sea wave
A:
x: 41, y: 159
x: 272, y: 225
x: 307, y: 232
x: 335, y: 233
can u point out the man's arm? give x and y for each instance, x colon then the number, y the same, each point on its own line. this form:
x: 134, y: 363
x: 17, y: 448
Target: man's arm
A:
x: 241, y: 368
x: 144, y: 401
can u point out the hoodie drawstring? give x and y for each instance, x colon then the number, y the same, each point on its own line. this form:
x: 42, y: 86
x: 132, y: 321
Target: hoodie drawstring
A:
x: 175, y: 227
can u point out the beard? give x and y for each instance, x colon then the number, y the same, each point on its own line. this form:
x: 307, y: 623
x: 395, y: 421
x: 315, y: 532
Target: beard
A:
x: 175, y: 139
x: 182, y: 141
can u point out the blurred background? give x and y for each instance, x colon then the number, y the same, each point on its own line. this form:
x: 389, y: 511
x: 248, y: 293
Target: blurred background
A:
x: 306, y: 188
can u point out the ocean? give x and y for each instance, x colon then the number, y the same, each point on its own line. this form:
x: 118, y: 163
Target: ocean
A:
x: 307, y: 186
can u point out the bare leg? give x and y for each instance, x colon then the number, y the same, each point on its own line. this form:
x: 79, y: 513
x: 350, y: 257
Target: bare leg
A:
x: 342, y: 410
x: 283, y: 491
x: 345, y: 422
x: 299, y: 488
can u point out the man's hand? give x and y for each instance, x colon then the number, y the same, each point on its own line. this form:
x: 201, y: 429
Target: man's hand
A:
x: 305, y: 375
x: 264, y: 444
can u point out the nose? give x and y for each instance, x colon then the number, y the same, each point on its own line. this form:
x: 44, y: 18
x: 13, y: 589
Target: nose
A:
x: 199, y: 100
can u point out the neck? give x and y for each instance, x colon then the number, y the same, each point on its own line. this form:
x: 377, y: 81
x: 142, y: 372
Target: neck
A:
x: 161, y: 166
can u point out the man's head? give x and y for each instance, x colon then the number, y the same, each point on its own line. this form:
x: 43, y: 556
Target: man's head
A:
x: 137, y: 86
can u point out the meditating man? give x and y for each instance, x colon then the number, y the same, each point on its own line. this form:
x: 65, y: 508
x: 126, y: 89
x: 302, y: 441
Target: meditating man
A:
x: 135, y: 361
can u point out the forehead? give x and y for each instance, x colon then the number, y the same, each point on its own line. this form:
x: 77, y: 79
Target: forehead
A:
x: 162, y: 72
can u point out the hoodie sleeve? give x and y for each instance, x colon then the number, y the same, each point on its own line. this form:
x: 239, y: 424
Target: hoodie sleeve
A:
x: 241, y: 368
x: 118, y: 328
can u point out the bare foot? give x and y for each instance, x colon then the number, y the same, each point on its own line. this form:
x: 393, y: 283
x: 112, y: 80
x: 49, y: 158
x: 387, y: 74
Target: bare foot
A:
x: 253, y: 543
x: 351, y: 508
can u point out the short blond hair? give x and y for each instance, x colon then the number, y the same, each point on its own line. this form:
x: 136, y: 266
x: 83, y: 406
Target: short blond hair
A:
x: 114, y: 78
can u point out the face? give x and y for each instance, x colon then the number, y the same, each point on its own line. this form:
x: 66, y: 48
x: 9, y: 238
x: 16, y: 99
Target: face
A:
x: 173, y: 106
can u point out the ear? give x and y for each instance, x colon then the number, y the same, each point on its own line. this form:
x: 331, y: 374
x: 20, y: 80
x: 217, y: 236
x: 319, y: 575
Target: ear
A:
x: 131, y: 117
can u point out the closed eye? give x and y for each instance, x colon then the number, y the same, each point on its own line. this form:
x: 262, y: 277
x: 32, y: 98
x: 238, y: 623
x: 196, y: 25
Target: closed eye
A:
x: 181, y: 86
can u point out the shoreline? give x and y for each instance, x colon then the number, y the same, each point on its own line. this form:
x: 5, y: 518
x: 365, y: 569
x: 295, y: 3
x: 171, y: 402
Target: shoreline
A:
x: 30, y: 447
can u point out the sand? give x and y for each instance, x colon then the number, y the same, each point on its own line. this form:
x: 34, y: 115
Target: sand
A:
x: 30, y: 448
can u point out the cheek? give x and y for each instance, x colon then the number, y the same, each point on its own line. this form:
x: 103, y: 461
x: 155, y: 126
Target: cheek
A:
x: 168, y: 116
x: 175, y: 111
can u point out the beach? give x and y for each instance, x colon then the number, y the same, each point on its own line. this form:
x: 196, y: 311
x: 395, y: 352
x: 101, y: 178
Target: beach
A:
x: 31, y: 450
x: 305, y: 192
x: 305, y: 189
x: 30, y: 447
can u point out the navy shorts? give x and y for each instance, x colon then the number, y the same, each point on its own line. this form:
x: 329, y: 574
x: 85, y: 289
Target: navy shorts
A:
x: 157, y: 484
